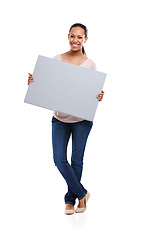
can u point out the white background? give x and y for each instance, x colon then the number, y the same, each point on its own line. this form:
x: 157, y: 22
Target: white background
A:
x: 122, y: 158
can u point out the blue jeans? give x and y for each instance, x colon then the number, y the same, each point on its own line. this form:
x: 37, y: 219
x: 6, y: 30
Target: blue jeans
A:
x: 72, y: 173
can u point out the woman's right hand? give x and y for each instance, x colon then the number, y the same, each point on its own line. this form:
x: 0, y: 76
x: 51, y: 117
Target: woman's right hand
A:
x: 30, y: 78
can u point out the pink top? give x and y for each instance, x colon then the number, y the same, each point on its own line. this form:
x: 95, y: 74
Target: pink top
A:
x: 88, y: 63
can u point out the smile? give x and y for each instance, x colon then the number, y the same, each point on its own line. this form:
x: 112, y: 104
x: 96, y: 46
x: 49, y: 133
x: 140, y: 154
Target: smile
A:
x: 75, y: 45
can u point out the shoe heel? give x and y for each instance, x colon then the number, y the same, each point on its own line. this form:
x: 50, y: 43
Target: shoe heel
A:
x: 81, y: 210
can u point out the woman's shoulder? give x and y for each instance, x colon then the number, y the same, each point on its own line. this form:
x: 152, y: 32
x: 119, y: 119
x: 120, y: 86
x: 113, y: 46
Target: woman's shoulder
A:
x: 57, y: 57
x: 91, y: 63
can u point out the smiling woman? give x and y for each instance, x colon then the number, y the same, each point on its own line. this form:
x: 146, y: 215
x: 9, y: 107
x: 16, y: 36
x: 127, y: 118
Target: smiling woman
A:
x: 64, y: 126
x: 82, y: 37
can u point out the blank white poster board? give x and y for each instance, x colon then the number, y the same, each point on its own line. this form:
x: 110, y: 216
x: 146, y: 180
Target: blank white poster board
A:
x: 65, y: 88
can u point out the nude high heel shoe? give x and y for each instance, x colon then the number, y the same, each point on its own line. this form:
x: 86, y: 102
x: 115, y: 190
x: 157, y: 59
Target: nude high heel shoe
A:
x: 81, y: 210
x: 69, y: 211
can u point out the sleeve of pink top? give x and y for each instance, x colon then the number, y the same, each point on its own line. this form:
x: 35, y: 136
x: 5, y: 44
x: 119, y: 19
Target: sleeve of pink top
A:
x: 67, y: 118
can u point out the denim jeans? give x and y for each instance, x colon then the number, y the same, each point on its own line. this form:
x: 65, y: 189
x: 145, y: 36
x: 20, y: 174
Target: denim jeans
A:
x: 72, y: 173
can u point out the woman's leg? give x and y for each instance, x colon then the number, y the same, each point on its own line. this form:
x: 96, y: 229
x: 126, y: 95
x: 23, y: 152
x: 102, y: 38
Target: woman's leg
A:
x: 80, y: 132
x: 60, y: 137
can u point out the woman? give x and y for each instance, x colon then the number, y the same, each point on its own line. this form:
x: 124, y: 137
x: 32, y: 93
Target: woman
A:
x: 63, y: 126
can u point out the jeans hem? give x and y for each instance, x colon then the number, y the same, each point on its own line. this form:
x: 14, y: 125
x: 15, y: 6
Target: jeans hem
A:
x: 70, y: 203
x: 83, y: 196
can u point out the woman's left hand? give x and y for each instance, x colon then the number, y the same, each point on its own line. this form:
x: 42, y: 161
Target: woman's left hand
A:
x: 100, y: 96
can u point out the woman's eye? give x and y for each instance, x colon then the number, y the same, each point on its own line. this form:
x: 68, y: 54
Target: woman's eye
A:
x: 73, y: 36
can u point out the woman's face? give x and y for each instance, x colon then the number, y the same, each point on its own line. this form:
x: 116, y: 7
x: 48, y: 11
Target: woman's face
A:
x: 77, y: 38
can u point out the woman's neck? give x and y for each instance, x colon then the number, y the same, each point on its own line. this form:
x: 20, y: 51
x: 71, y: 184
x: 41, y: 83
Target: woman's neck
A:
x: 75, y: 53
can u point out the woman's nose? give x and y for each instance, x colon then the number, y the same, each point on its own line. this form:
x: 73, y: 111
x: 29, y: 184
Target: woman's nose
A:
x: 75, y: 39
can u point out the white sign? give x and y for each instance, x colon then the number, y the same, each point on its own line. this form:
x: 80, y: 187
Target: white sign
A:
x: 65, y: 88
